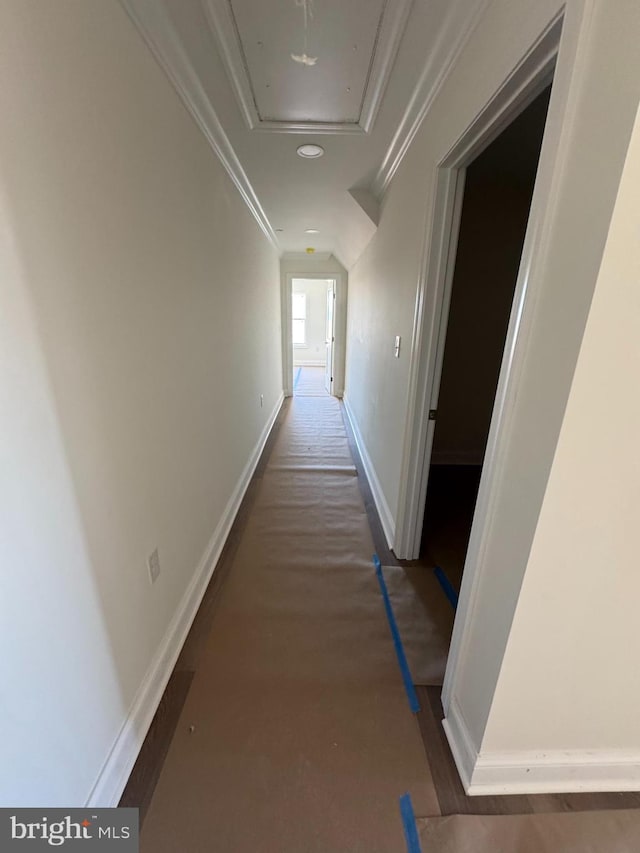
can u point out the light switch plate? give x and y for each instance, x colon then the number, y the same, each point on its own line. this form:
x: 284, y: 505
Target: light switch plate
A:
x: 396, y: 346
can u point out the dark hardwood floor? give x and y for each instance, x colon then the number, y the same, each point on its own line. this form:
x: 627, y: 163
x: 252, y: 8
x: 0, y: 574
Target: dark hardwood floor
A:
x: 146, y: 771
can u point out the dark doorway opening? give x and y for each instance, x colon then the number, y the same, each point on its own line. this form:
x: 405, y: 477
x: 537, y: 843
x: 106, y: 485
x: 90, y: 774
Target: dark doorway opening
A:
x: 496, y: 202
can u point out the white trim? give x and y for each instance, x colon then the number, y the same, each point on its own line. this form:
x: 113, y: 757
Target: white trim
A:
x: 455, y: 34
x: 113, y: 777
x: 286, y: 289
x: 330, y: 350
x: 310, y: 127
x: 391, y: 26
x: 461, y: 744
x: 557, y: 149
x: 309, y: 363
x: 528, y: 772
x: 222, y: 24
x: 157, y: 30
x: 386, y: 518
x: 426, y: 355
x: 524, y: 82
x: 339, y: 325
x: 556, y: 772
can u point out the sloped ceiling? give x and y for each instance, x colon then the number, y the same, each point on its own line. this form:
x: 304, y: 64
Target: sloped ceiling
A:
x: 261, y: 77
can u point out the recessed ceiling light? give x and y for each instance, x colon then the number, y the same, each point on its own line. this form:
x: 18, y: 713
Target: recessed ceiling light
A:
x: 310, y: 151
x: 311, y: 231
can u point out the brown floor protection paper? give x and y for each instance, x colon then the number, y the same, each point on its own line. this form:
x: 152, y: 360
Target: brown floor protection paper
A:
x: 568, y: 832
x: 303, y: 739
x: 310, y: 382
x: 425, y: 620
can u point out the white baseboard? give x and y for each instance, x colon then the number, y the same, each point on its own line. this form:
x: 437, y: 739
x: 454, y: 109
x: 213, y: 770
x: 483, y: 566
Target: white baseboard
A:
x: 309, y: 363
x: 462, y: 747
x: 386, y: 518
x: 528, y: 772
x: 113, y: 777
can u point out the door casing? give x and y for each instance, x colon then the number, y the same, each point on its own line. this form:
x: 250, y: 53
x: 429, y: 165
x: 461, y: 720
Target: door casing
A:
x: 532, y: 74
x: 330, y: 332
x: 339, y: 325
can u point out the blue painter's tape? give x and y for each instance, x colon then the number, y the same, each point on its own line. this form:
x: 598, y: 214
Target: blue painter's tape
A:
x: 397, y: 642
x: 296, y: 380
x: 409, y: 824
x: 447, y: 586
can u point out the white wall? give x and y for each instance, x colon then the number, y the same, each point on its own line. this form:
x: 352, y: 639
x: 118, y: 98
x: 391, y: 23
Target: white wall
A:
x: 141, y: 323
x: 604, y: 81
x: 314, y: 350
x: 582, y: 575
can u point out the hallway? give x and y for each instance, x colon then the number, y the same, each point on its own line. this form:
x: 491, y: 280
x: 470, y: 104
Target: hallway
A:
x: 200, y: 632
x: 302, y: 735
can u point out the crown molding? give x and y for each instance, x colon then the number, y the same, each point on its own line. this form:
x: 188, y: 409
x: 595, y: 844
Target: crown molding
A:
x: 154, y: 25
x: 222, y: 22
x: 462, y: 22
x: 392, y: 26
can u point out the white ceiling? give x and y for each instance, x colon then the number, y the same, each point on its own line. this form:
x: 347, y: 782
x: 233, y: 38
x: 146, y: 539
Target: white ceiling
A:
x: 335, y: 44
x: 379, y: 63
x: 340, y: 38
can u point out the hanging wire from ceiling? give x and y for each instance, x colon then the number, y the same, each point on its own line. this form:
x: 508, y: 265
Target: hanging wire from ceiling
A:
x: 304, y: 58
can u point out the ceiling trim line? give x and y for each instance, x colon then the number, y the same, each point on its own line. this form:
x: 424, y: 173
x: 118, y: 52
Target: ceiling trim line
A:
x: 154, y: 25
x: 393, y: 19
x: 308, y: 127
x: 393, y: 23
x: 224, y: 29
x: 456, y: 33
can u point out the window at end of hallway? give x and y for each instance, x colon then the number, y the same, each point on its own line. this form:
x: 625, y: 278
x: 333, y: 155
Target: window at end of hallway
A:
x: 299, y: 319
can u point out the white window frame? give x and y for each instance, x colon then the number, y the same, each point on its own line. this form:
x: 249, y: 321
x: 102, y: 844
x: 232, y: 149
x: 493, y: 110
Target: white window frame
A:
x: 303, y: 317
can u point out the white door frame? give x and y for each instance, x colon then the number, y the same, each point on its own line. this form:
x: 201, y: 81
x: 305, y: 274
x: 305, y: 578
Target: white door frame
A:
x: 436, y: 279
x: 330, y: 334
x: 339, y: 324
x: 554, y: 55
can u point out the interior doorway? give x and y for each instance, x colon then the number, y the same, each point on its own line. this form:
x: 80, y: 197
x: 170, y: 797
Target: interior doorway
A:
x: 496, y: 202
x: 313, y: 335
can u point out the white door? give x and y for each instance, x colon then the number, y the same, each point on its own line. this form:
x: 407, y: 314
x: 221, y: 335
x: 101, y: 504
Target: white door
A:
x: 330, y: 337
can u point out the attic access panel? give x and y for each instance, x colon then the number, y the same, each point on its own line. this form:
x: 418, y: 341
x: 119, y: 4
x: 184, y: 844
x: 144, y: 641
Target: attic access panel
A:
x: 344, y: 56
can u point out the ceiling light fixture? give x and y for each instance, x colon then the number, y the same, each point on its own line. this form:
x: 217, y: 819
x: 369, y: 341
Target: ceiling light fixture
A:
x: 310, y: 151
x: 311, y: 231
